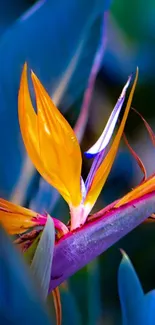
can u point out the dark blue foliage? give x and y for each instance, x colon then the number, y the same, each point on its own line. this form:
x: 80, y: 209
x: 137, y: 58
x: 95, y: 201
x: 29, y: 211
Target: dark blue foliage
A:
x: 137, y: 308
x: 19, y: 301
x: 47, y: 39
x: 10, y: 10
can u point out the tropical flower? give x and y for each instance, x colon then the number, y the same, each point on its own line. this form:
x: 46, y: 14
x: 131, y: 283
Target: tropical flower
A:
x: 54, y: 150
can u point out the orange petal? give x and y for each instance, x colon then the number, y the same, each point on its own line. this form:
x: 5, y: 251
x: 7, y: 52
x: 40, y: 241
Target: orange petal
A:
x: 104, y: 169
x: 16, y: 219
x: 147, y: 187
x: 28, y: 120
x: 50, y: 141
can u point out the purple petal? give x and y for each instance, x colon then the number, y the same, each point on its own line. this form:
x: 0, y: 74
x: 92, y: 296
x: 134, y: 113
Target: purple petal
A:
x: 106, y: 135
x: 95, y: 165
x: 77, y: 249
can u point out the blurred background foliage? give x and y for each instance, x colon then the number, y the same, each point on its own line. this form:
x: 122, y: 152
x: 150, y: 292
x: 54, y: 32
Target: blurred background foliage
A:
x: 48, y: 38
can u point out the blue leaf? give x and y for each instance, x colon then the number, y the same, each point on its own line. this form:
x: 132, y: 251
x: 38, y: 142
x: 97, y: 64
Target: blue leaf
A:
x: 42, y: 261
x: 19, y: 302
x: 130, y: 293
x: 150, y: 308
x: 47, y: 39
x: 137, y: 308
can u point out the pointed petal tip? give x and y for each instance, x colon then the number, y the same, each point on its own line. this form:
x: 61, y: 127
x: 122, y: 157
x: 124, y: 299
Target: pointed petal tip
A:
x: 33, y: 75
x: 23, y: 75
x: 24, y: 72
x: 25, y: 66
x: 36, y: 83
x: 135, y: 72
x: 124, y: 255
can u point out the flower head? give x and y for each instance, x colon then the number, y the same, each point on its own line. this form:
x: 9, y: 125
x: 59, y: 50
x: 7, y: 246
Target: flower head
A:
x: 55, y: 151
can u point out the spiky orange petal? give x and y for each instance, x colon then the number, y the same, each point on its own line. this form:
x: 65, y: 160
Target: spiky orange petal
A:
x: 145, y: 188
x: 16, y: 219
x: 50, y: 141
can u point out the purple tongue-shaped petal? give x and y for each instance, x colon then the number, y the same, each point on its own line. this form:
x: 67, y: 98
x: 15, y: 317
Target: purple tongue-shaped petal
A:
x: 98, y: 150
x: 106, y: 135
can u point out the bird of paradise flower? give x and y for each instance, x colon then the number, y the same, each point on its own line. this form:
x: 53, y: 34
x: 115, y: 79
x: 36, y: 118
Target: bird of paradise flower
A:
x: 55, y: 152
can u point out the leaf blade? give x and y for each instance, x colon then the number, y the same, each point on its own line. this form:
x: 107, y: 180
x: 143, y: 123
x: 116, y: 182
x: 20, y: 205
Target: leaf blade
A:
x: 42, y: 261
x: 16, y: 282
